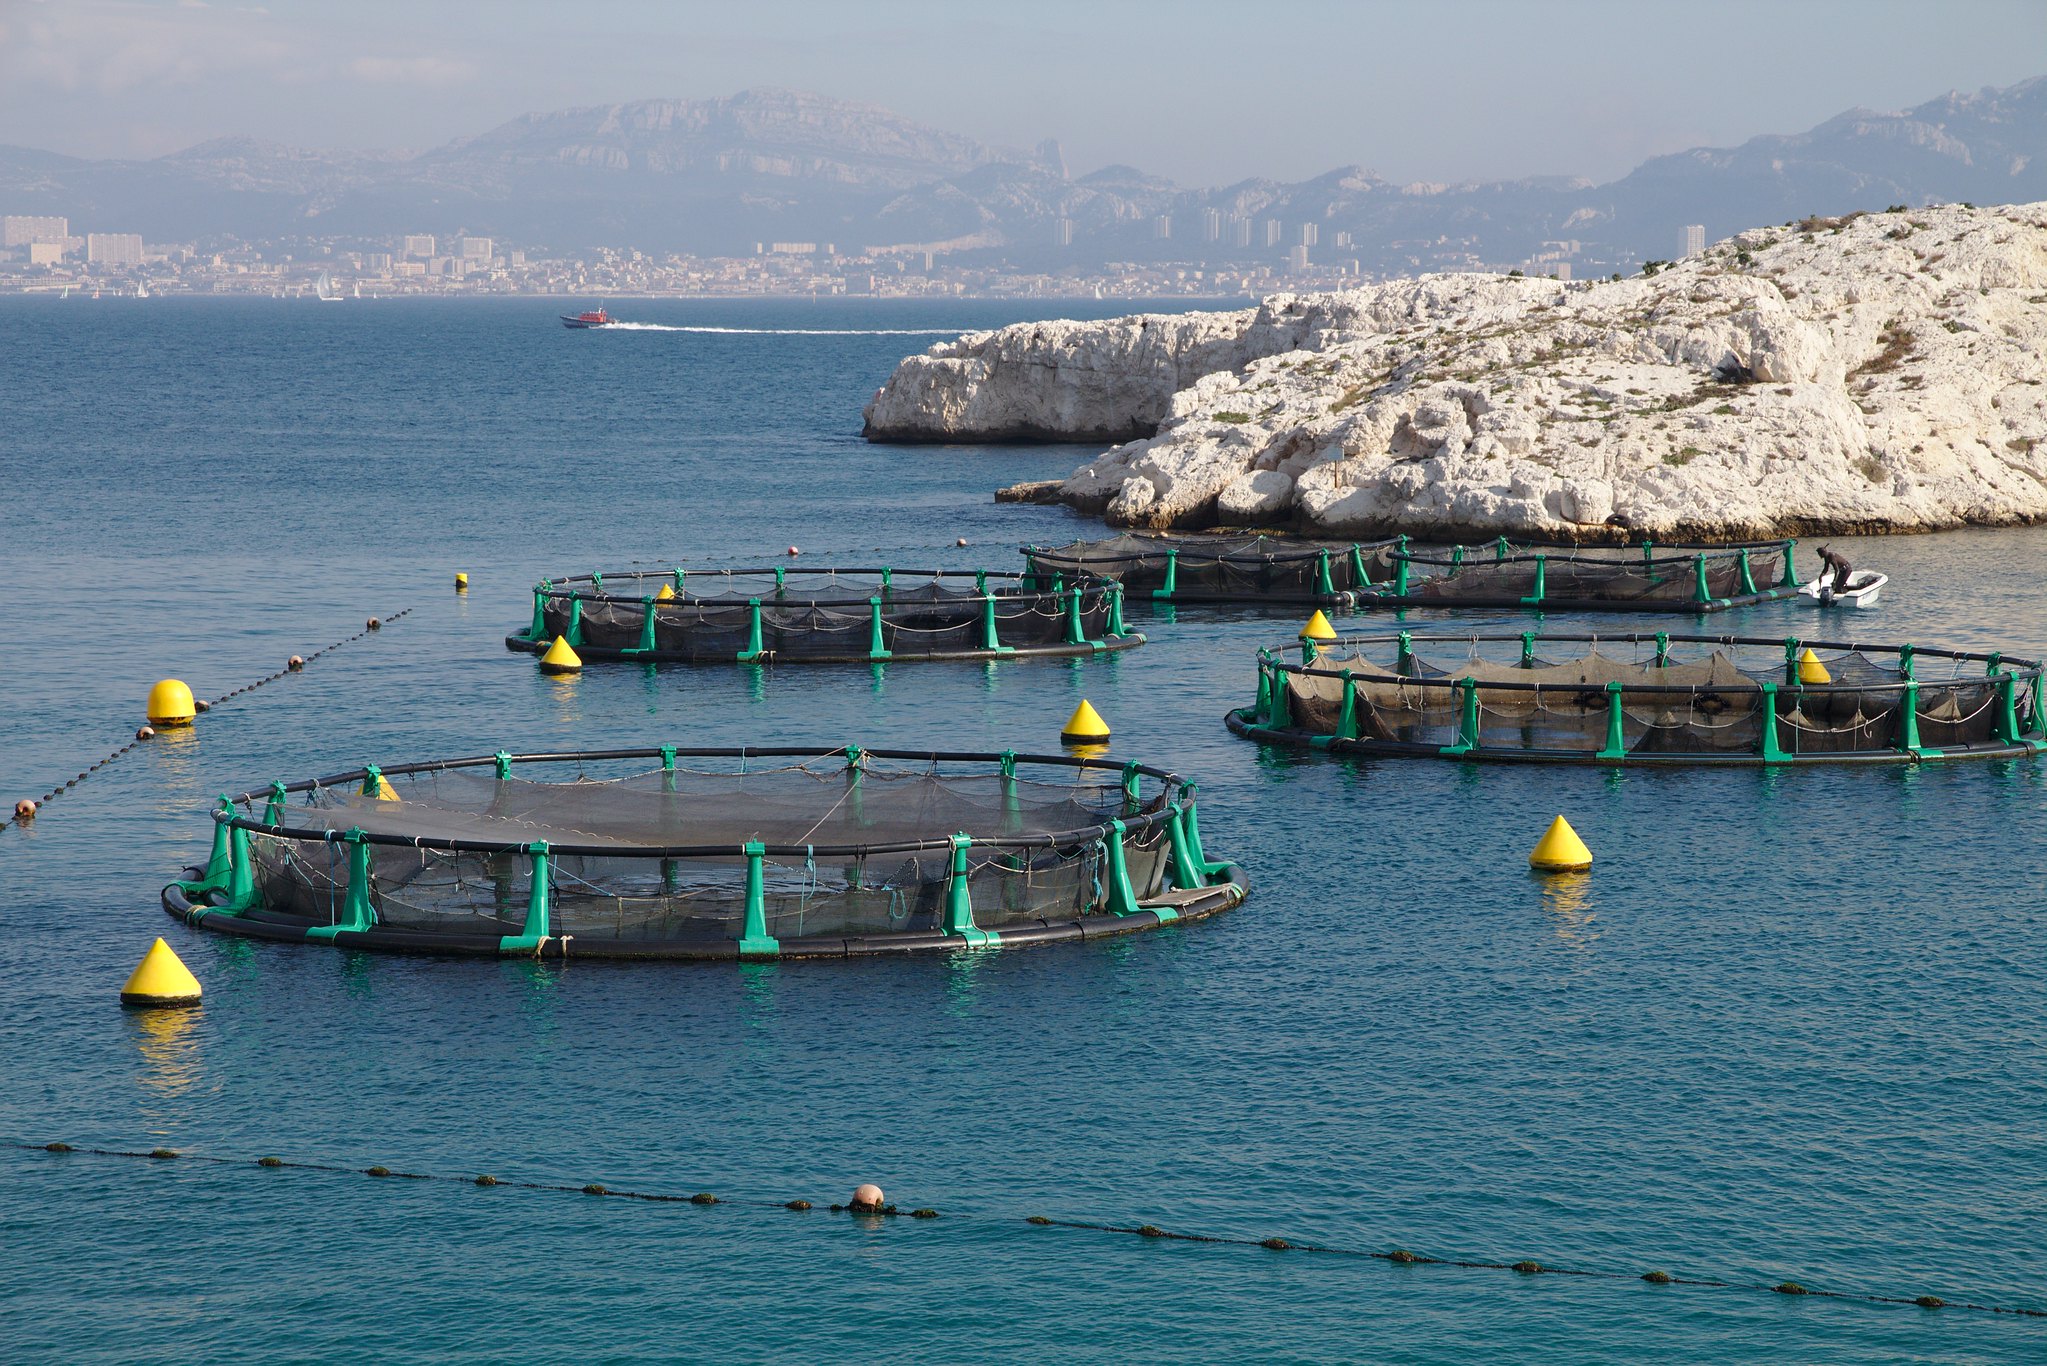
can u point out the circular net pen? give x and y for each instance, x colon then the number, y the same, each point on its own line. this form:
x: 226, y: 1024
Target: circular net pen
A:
x: 1674, y: 577
x: 821, y: 616
x: 1645, y: 699
x: 709, y: 854
x: 1219, y: 569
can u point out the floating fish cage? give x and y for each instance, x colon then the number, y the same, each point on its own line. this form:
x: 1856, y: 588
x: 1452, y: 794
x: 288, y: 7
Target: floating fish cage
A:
x: 1202, y: 569
x: 710, y: 854
x: 1670, y: 577
x: 822, y: 616
x: 1673, y: 577
x: 1645, y: 699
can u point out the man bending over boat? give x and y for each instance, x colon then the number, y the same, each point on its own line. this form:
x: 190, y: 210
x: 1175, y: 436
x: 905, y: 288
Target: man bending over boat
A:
x: 1839, y: 564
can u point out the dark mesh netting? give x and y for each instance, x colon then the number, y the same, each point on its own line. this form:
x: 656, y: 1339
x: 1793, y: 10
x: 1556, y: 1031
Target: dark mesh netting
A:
x: 1638, y: 697
x: 1220, y: 568
x: 822, y: 615
x: 1616, y: 578
x: 847, y: 849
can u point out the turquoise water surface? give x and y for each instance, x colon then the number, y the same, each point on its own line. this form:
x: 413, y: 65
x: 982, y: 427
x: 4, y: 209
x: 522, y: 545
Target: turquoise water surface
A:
x: 1789, y: 1028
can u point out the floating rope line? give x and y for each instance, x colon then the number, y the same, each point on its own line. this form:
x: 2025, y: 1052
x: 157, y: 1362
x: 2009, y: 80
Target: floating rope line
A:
x: 17, y: 817
x: 1398, y: 1256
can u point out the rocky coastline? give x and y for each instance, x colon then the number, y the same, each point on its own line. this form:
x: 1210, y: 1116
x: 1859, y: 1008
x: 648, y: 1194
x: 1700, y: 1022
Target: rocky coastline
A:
x: 1882, y: 372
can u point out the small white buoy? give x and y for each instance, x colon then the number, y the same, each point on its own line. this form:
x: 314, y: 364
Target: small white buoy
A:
x: 867, y: 1198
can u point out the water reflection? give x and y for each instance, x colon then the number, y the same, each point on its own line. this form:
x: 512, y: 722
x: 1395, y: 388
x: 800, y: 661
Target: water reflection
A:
x: 1567, y: 901
x: 168, y: 1041
x: 962, y: 977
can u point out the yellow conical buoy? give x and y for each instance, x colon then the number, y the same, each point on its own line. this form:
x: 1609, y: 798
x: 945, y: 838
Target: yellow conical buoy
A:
x: 170, y: 704
x: 161, y: 979
x: 461, y: 583
x: 1085, y: 726
x: 1560, y: 850
x: 560, y: 659
x: 1810, y: 670
x: 667, y: 592
x: 1318, y: 628
x: 383, y: 791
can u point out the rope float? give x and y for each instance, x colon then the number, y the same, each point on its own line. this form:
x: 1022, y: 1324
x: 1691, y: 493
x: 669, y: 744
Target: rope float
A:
x: 868, y: 1200
x: 26, y: 809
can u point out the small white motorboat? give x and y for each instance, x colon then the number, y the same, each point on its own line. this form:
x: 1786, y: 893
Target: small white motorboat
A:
x: 1863, y: 586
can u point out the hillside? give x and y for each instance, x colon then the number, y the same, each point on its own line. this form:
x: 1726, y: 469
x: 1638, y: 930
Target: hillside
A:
x: 1884, y: 372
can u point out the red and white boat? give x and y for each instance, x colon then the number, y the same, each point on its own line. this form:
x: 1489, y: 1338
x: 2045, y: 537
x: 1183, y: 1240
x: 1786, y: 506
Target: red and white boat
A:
x: 596, y: 317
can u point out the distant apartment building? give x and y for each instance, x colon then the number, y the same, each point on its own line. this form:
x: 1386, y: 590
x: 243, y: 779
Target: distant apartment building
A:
x: 114, y: 248
x: 20, y: 230
x: 1298, y: 258
x: 1344, y: 241
x: 1211, y: 225
x: 1311, y: 233
x: 1562, y: 270
x: 792, y: 248
x: 377, y: 261
x: 46, y: 253
x: 1273, y: 229
x: 1240, y: 232
x: 419, y: 247
x: 408, y: 268
x: 477, y: 249
x: 1062, y: 233
x: 1695, y: 238
x: 1162, y: 228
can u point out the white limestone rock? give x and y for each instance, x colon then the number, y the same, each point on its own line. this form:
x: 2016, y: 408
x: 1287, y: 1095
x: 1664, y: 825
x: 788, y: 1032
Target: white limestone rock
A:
x: 1886, y: 372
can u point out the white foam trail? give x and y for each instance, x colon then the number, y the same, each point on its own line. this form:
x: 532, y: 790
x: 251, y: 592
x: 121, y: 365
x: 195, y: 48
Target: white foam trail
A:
x: 796, y: 331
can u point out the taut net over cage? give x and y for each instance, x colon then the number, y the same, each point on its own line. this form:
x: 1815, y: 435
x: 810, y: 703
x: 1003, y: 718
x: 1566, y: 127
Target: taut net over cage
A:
x: 783, y: 615
x: 709, y: 853
x: 1643, y: 578
x: 1213, y: 568
x: 1641, y: 699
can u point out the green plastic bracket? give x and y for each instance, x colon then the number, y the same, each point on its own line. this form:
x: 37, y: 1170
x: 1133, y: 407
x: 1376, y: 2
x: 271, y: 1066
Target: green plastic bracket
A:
x: 646, y: 645
x: 1456, y: 560
x: 1190, y: 825
x: 1766, y: 745
x: 679, y: 575
x: 1541, y: 583
x: 1278, y: 714
x: 596, y: 582
x: 273, y: 810
x: 1263, y: 703
x: 754, y: 939
x: 877, y: 643
x: 1790, y: 659
x: 781, y: 578
x: 753, y: 650
x: 1123, y: 900
x: 1361, y: 577
x: 1116, y: 627
x: 1616, y: 741
x: 2007, y: 711
x: 1131, y: 798
x: 1324, y: 585
x: 1499, y: 550
x: 1310, y: 652
x: 1702, y: 592
x: 1648, y: 554
x: 539, y: 905
x: 1347, y: 719
x: 1905, y: 654
x: 1075, y: 635
x: 1790, y: 569
x: 1012, y: 804
x: 959, y: 901
x: 856, y: 766
x: 357, y: 912
x: 1748, y: 578
x: 502, y: 762
x: 1400, y: 566
x: 1467, y: 720
x: 1663, y: 649
x: 372, y: 780
x: 538, y: 630
x: 1528, y: 649
x: 1908, y: 722
x: 1164, y: 592
x: 575, y: 631
x: 888, y: 579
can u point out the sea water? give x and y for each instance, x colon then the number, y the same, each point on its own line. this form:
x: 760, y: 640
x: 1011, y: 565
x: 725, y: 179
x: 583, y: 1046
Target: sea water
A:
x: 1789, y: 1028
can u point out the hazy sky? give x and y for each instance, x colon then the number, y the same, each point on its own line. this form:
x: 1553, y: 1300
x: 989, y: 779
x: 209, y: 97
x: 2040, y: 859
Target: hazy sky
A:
x: 1205, y: 93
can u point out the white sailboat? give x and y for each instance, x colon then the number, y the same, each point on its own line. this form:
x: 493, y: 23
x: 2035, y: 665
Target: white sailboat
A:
x: 324, y: 288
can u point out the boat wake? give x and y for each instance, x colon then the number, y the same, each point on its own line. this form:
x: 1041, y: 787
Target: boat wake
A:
x: 793, y: 331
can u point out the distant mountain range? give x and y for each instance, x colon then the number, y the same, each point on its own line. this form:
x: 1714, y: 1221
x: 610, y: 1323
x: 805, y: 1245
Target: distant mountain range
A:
x: 714, y: 177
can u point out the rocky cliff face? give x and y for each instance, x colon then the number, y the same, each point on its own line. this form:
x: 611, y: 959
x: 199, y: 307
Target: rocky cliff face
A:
x: 1881, y: 373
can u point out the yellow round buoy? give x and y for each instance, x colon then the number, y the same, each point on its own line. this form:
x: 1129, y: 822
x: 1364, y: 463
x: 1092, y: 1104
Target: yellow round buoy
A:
x: 1085, y: 726
x: 461, y: 583
x: 1318, y: 628
x: 667, y: 592
x: 560, y: 659
x: 1560, y: 850
x: 867, y: 1198
x: 170, y: 704
x: 161, y: 979
x: 1810, y: 670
